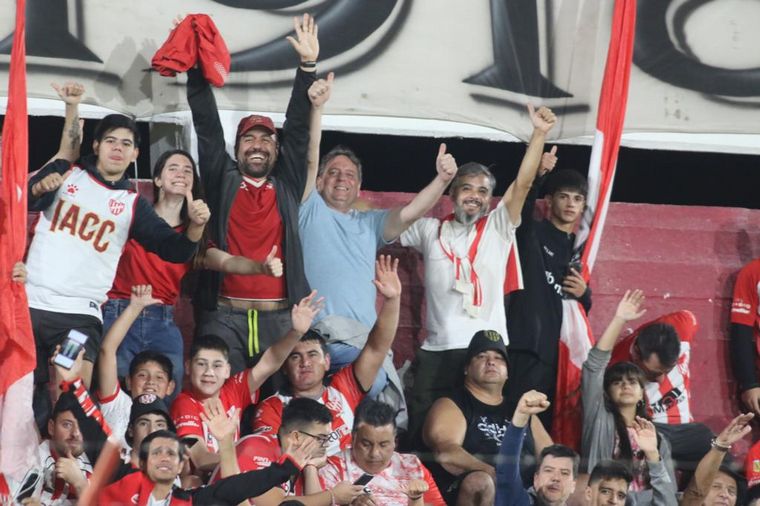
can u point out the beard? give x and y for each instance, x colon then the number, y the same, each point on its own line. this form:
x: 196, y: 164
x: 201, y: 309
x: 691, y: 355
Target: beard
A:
x: 468, y: 219
x: 257, y: 170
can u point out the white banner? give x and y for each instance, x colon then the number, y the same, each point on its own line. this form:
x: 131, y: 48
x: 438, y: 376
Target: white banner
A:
x: 696, y: 64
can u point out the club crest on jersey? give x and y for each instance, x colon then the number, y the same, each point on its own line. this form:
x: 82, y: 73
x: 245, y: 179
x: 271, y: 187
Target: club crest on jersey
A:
x: 72, y: 189
x: 116, y: 207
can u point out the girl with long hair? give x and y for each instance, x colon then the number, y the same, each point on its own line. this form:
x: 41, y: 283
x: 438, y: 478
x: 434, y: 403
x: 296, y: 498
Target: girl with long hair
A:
x: 616, y: 424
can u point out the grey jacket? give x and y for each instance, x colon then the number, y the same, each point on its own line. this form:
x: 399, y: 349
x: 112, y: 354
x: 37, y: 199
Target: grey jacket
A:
x: 598, y: 440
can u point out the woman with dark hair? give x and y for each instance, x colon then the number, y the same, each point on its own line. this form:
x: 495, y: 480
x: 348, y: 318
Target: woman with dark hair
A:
x: 174, y: 184
x: 616, y: 424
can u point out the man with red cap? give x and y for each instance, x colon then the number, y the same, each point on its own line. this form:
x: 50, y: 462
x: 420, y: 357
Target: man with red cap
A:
x: 254, y: 201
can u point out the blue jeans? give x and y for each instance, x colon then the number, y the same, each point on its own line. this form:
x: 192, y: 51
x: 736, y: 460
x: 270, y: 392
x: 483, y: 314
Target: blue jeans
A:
x: 153, y: 330
x: 342, y: 354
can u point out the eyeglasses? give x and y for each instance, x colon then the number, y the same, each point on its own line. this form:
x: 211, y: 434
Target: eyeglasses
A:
x: 324, y: 439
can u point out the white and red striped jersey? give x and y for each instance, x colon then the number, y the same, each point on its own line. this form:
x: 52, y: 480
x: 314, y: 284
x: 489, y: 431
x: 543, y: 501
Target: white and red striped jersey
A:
x: 341, y: 397
x: 669, y: 397
x: 387, y: 487
x: 55, y: 491
x: 77, y: 244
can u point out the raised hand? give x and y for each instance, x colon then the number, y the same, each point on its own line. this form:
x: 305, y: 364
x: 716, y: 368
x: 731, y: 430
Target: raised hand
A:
x: 628, y: 308
x: 18, y: 273
x: 74, y: 372
x: 304, y: 451
x: 445, y: 164
x: 306, y: 42
x: 219, y: 424
x: 70, y: 92
x: 67, y: 469
x: 272, y: 264
x: 531, y: 403
x: 304, y: 312
x: 197, y: 210
x: 344, y: 492
x: 319, y: 91
x: 548, y: 161
x: 386, y: 279
x: 543, y: 119
x: 646, y: 437
x: 142, y: 297
x: 735, y: 430
x: 49, y: 183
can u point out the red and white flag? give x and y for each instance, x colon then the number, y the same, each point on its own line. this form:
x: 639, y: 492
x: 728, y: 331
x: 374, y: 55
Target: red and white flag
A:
x: 575, y: 336
x: 18, y: 441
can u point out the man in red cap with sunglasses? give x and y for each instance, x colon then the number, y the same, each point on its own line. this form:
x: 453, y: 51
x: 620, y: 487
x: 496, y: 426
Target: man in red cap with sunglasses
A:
x: 254, y: 200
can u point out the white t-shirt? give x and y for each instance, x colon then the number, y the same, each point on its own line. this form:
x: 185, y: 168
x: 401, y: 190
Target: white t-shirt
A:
x: 116, y: 410
x: 77, y: 244
x: 449, y: 326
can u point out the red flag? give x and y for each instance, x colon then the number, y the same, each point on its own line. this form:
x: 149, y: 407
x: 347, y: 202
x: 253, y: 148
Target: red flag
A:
x: 575, y: 337
x: 16, y: 340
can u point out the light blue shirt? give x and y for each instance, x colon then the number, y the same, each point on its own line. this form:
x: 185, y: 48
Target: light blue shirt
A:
x: 339, y: 251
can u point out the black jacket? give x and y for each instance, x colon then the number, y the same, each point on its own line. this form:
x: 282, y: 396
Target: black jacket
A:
x: 221, y: 180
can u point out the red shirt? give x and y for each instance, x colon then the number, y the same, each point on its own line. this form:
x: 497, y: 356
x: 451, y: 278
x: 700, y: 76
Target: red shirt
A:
x: 254, y: 226
x: 341, y: 397
x: 186, y: 409
x: 668, y: 398
x: 140, y: 267
x: 744, y: 309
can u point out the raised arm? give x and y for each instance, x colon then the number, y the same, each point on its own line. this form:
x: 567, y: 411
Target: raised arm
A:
x: 509, y: 488
x: 400, y: 218
x: 628, y: 309
x: 71, y: 138
x: 218, y: 260
x: 384, y: 331
x: 223, y: 427
x: 142, y: 297
x: 301, y: 317
x: 543, y: 120
x: 319, y: 94
x: 443, y: 432
x: 291, y: 166
x: 708, y: 467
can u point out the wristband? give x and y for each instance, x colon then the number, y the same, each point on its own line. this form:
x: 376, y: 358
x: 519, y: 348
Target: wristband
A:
x: 309, y: 64
x: 721, y: 448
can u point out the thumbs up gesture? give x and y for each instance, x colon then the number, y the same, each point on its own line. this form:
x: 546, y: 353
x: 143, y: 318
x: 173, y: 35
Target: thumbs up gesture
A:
x: 272, y: 264
x: 197, y: 210
x: 445, y: 164
x: 548, y: 161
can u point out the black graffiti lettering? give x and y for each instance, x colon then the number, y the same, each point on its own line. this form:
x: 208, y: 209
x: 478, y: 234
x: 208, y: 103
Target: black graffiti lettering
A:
x: 342, y: 25
x: 657, y: 55
x: 47, y: 32
x: 516, y: 66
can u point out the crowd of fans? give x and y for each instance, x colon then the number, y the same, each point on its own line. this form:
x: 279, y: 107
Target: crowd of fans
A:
x: 288, y: 394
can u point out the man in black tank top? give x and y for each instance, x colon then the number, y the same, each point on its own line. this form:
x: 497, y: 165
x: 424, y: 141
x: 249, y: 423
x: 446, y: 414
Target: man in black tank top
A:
x: 464, y: 430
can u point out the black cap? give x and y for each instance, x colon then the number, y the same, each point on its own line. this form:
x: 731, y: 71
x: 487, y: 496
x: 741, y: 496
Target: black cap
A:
x: 149, y: 403
x: 485, y: 340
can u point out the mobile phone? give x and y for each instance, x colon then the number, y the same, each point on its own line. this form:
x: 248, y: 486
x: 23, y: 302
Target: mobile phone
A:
x: 364, y: 479
x: 30, y: 484
x: 574, y: 266
x: 70, y: 348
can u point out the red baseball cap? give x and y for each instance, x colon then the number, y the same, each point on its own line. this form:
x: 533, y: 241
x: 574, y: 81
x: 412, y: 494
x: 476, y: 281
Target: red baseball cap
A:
x: 253, y: 121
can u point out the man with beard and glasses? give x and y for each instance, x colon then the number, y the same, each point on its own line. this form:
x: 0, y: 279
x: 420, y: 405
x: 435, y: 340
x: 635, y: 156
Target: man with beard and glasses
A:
x: 465, y: 257
x: 254, y: 200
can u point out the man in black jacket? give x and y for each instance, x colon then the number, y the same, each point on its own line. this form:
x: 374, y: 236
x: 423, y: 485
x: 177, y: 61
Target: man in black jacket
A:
x: 255, y: 201
x: 551, y: 273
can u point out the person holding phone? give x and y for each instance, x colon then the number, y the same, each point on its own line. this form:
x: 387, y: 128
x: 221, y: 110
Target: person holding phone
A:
x: 551, y: 273
x: 396, y: 479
